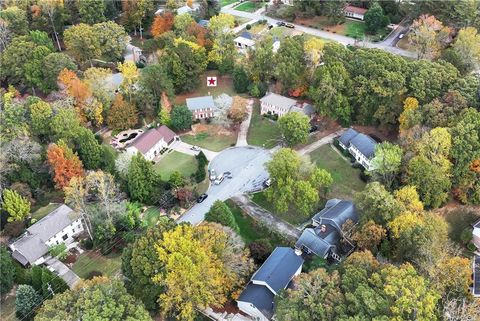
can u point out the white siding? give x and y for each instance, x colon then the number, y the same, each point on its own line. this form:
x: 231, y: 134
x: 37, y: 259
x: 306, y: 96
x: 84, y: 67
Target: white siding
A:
x: 251, y: 310
x: 69, y: 232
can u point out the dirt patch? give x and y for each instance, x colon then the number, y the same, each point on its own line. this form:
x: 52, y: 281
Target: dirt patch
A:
x: 320, y: 22
x: 224, y: 85
x: 210, y: 129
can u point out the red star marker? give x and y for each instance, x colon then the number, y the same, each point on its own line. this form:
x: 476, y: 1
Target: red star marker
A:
x: 211, y: 81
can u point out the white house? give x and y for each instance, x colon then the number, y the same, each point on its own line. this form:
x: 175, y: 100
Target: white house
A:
x: 62, y: 225
x: 153, y: 142
x: 275, y: 274
x: 354, y: 12
x: 280, y: 105
x: 476, y: 234
x: 360, y: 146
x: 244, y: 41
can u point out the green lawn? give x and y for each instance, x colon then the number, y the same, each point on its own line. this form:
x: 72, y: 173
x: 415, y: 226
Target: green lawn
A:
x: 150, y: 217
x: 43, y: 211
x: 250, y: 230
x: 291, y: 216
x: 224, y: 3
x: 176, y: 161
x: 249, y: 6
x: 354, y: 29
x: 346, y: 179
x: 280, y: 32
x: 262, y: 131
x: 87, y: 262
x: 211, y: 142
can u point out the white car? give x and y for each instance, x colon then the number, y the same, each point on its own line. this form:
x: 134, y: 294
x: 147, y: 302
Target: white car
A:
x: 401, y: 36
x: 219, y: 179
x: 195, y: 148
x: 213, y: 175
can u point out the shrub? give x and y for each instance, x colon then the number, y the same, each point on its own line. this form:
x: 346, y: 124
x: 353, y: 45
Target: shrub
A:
x: 471, y: 247
x: 221, y: 213
x: 59, y: 251
x: 26, y: 301
x: 260, y: 250
x: 248, y: 26
x: 202, y: 161
x: 14, y: 229
x: 93, y: 274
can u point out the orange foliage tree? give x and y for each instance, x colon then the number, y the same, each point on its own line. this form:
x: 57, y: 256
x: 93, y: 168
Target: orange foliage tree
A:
x: 65, y: 164
x: 122, y: 114
x: 199, y: 32
x: 162, y: 24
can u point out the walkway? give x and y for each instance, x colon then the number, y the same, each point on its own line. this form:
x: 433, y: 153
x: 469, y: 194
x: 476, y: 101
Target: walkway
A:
x: 323, y: 141
x: 262, y: 215
x: 323, y: 34
x: 63, y: 271
x: 242, y: 134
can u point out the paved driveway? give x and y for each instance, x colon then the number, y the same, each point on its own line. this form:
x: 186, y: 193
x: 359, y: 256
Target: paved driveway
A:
x: 185, y: 148
x: 242, y: 134
x: 247, y: 167
x: 63, y: 271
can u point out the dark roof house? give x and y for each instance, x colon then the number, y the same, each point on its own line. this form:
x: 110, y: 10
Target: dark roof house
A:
x: 360, y: 146
x: 476, y: 276
x: 365, y: 144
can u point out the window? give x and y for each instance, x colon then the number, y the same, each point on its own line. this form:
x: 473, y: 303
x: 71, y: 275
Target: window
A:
x: 65, y: 236
x: 73, y: 230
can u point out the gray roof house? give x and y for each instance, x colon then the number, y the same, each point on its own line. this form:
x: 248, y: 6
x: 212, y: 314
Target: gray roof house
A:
x: 324, y: 240
x: 275, y: 274
x: 361, y: 146
x: 280, y: 105
x: 201, y: 107
x: 476, y: 276
x: 59, y: 226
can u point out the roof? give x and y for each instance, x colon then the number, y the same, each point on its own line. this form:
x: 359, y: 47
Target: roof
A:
x: 354, y: 9
x: 365, y: 144
x: 245, y: 41
x: 204, y: 23
x: 278, y: 101
x: 185, y: 9
x: 279, y: 268
x: 260, y: 296
x: 200, y: 102
x: 304, y: 108
x: 347, y: 136
x: 476, y: 224
x: 31, y: 246
x: 151, y: 137
x: 313, y: 243
x: 476, y: 276
x: 246, y: 35
x: 336, y: 213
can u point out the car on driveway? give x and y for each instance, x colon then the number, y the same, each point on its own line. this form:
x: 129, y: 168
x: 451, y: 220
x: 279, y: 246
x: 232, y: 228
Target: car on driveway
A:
x: 212, y: 174
x: 219, y: 179
x: 280, y: 23
x: 267, y: 183
x: 195, y: 148
x: 313, y: 128
x: 401, y: 36
x: 289, y: 25
x: 201, y: 198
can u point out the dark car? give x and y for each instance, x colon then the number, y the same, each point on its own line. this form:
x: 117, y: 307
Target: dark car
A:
x: 228, y: 174
x: 270, y: 27
x: 313, y: 128
x: 201, y: 198
x: 280, y: 23
x: 289, y: 25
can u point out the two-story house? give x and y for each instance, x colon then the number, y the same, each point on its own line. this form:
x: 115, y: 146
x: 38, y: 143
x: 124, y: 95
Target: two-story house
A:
x: 279, y: 105
x: 61, y: 225
x: 152, y: 143
x: 201, y: 107
x: 360, y: 146
x: 275, y: 275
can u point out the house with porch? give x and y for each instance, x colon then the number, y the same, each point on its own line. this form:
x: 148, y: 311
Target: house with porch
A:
x: 201, y: 107
x: 154, y: 142
x: 360, y: 146
x: 62, y: 225
x: 327, y: 238
x: 276, y: 273
x: 354, y: 12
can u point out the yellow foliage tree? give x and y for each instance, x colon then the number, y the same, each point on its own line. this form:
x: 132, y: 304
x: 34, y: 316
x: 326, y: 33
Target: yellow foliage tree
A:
x: 409, y: 197
x: 406, y: 119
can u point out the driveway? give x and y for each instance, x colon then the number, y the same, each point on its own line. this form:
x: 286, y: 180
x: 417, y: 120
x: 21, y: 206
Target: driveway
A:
x: 323, y: 141
x: 323, y: 34
x: 247, y: 167
x: 63, y: 271
x: 242, y: 134
x: 185, y: 148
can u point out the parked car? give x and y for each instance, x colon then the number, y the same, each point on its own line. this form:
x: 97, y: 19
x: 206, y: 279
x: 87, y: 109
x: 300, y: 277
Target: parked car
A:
x: 280, y: 23
x: 267, y: 182
x: 219, y: 179
x: 401, y: 36
x: 270, y: 27
x: 313, y: 128
x: 228, y: 174
x: 201, y: 198
x: 212, y: 174
x: 289, y: 25
x: 195, y: 148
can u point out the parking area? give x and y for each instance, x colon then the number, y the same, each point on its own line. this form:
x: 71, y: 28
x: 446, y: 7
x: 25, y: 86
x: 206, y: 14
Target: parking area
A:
x: 247, y: 168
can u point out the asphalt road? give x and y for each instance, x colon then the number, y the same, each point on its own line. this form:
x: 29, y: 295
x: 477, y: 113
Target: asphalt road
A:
x: 247, y: 167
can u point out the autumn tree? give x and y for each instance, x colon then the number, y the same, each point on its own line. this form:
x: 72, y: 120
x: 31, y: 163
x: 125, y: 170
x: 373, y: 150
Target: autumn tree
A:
x: 409, y: 117
x: 386, y: 163
x: 294, y: 128
x: 122, y: 115
x: 162, y: 23
x: 83, y: 42
x: 428, y: 36
x: 64, y: 163
x: 17, y: 206
x: 238, y: 112
x: 467, y: 46
x: 223, y: 49
x: 53, y: 64
x: 369, y: 236
x: 92, y: 297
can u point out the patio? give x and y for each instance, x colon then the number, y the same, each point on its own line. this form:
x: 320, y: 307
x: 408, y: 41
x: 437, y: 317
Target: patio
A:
x: 124, y: 138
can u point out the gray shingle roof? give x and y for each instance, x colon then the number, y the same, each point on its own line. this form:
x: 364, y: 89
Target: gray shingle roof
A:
x: 309, y: 241
x: 476, y: 276
x: 261, y: 297
x: 336, y: 213
x: 279, y: 268
x: 348, y: 136
x: 200, y: 102
x: 278, y: 100
x: 365, y: 144
x: 246, y: 35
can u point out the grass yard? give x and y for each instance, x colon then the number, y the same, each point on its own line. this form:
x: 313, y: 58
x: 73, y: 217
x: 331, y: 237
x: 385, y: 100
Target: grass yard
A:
x: 346, y: 179
x: 87, y: 262
x: 250, y: 230
x: 224, y: 86
x: 150, y: 217
x: 176, y: 161
x: 280, y: 32
x: 213, y: 142
x: 43, y: 211
x: 249, y: 6
x: 291, y: 216
x: 224, y: 3
x: 354, y: 29
x: 262, y: 131
x: 257, y: 28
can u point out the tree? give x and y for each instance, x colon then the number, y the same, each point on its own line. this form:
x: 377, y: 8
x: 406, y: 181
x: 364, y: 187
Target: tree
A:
x: 294, y: 128
x: 376, y: 204
x: 223, y: 49
x: 53, y: 64
x: 161, y: 24
x: 97, y: 298
x: 130, y: 76
x: 313, y: 48
x: 89, y: 149
x: 112, y: 39
x: 7, y: 271
x: 83, y: 42
x: 315, y: 297
x: 135, y: 13
x: 17, y: 206
x: 176, y: 180
x: 220, y: 213
x: 155, y: 81
x: 240, y: 79
x: 409, y: 117
x: 375, y: 19
x: 182, y: 21
x: 238, y: 112
x: 467, y: 46
x: 15, y: 19
x: 386, y: 163
x: 51, y: 8
x: 290, y: 63
x: 65, y: 164
x: 65, y: 124
x: 141, y: 179
x: 260, y: 61
x: 40, y: 117
x: 334, y: 10
x: 428, y: 36
x: 369, y: 236
x: 26, y: 301
x: 181, y: 117
x: 44, y: 282
x: 260, y: 250
x: 91, y: 11
x: 122, y: 115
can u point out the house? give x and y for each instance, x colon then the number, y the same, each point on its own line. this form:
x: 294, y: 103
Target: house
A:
x: 201, y: 107
x: 203, y: 23
x: 325, y: 238
x: 276, y: 45
x: 186, y: 9
x: 360, y: 146
x: 476, y: 234
x: 476, y: 277
x: 244, y: 41
x: 280, y: 105
x: 61, y: 225
x: 154, y: 142
x: 275, y: 274
x: 354, y: 12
